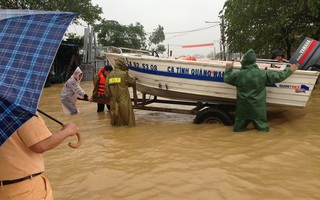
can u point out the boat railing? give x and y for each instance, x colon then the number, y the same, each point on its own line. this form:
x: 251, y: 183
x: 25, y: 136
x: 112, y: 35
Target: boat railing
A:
x: 121, y: 50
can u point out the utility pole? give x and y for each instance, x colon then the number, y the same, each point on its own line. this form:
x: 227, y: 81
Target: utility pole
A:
x: 221, y: 52
x: 223, y: 37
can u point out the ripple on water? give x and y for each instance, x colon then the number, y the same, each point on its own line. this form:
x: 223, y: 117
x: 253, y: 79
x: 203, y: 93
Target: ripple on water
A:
x: 166, y: 156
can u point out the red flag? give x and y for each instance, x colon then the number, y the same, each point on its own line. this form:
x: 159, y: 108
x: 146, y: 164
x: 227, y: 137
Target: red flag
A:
x: 197, y: 45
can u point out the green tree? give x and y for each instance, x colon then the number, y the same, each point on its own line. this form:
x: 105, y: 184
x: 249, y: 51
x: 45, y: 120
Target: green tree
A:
x: 210, y: 55
x: 160, y: 48
x: 218, y: 56
x: 156, y: 37
x: 86, y: 11
x: 268, y: 25
x: 111, y: 33
x: 136, y: 36
x: 72, y: 37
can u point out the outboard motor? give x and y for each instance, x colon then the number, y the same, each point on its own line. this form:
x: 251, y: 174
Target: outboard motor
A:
x: 307, y: 55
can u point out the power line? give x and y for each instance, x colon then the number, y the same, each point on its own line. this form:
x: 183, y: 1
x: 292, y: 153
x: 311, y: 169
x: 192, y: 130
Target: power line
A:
x: 182, y: 33
x: 189, y: 31
x: 194, y: 30
x: 180, y: 45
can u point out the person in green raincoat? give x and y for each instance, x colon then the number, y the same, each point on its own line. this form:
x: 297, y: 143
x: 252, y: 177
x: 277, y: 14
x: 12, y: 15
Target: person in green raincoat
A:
x: 116, y: 88
x: 251, y: 91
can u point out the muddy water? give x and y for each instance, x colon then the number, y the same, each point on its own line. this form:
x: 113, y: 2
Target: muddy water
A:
x: 167, y: 157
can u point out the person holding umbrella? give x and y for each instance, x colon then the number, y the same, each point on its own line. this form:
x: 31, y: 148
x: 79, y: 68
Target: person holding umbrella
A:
x: 22, y: 164
x: 71, y: 91
x: 30, y: 40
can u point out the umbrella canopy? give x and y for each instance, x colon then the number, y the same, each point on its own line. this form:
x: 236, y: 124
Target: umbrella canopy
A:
x: 29, y: 42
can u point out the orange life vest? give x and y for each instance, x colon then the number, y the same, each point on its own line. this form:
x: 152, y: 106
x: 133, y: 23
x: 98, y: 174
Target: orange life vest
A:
x: 102, y: 81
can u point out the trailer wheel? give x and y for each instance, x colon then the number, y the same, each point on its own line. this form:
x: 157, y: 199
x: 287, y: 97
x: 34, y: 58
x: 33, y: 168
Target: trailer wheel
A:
x: 214, y: 115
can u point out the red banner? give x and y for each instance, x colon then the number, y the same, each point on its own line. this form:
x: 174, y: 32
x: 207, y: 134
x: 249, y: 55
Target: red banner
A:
x: 197, y: 45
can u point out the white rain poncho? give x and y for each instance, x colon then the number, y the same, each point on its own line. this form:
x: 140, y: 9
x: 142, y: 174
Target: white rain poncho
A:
x: 71, y: 91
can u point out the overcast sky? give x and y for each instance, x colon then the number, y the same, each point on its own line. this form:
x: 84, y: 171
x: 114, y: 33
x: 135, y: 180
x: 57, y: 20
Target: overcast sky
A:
x: 174, y: 16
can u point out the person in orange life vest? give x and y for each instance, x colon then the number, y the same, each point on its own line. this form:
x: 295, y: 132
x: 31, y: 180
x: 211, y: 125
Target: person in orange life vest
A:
x: 98, y: 93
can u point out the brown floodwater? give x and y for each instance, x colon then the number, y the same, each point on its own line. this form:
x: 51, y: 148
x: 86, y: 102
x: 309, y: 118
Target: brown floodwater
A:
x: 167, y: 157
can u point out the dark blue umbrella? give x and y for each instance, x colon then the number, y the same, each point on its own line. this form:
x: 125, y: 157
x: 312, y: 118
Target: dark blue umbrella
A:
x: 29, y: 42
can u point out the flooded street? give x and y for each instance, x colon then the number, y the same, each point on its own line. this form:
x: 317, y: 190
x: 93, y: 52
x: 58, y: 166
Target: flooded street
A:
x: 167, y: 157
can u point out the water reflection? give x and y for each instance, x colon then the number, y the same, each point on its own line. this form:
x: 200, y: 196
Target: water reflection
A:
x: 167, y: 157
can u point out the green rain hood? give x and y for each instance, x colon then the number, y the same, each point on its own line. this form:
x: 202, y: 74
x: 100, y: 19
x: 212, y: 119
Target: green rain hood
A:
x: 251, y: 86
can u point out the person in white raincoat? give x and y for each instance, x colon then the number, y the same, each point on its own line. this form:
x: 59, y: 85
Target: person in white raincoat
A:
x: 71, y: 91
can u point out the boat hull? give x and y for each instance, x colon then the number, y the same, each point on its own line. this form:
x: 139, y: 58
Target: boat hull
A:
x: 203, y: 81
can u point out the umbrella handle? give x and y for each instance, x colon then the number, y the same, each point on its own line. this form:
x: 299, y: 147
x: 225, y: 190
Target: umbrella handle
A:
x: 78, y: 135
x: 78, y: 143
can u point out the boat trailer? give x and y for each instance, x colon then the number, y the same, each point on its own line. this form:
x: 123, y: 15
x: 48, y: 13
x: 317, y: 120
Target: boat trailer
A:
x: 214, y: 113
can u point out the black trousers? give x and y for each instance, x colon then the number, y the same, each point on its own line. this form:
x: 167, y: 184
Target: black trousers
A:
x: 100, y: 107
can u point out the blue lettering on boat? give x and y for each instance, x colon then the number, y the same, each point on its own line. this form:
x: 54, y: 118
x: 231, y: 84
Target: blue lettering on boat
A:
x: 207, y: 72
x: 144, y: 66
x: 179, y: 72
x: 289, y: 86
x: 154, y: 67
x: 218, y: 74
x: 182, y: 70
x: 170, y: 69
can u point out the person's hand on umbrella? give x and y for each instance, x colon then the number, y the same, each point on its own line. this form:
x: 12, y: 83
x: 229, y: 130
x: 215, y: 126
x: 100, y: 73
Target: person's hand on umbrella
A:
x: 70, y: 128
